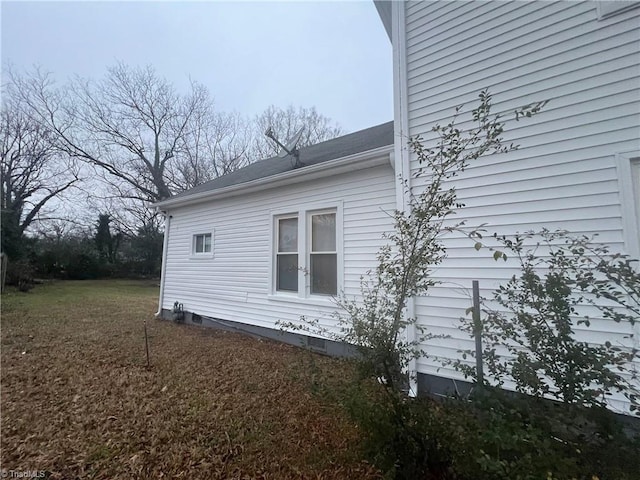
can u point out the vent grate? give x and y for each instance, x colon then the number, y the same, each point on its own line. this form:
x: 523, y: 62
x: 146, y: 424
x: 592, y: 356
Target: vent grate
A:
x: 318, y: 343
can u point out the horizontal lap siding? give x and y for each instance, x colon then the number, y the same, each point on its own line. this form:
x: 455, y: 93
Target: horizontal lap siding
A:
x: 233, y: 285
x: 563, y: 175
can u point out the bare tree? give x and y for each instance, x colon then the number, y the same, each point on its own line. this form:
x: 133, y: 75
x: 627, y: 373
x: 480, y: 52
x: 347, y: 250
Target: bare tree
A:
x: 34, y: 170
x: 285, y: 123
x: 223, y: 137
x: 135, y: 129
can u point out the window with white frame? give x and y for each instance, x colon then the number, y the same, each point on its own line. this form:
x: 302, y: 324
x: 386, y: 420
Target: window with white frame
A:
x: 323, y: 255
x: 306, y: 253
x: 628, y: 166
x: 635, y: 180
x: 287, y: 254
x: 202, y: 244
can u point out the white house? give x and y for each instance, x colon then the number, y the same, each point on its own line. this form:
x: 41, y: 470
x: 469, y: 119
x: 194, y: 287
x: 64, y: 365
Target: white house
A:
x: 272, y: 242
x: 578, y: 167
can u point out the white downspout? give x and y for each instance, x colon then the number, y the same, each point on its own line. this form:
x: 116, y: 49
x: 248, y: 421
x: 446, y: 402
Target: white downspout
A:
x: 401, y: 152
x: 163, y: 268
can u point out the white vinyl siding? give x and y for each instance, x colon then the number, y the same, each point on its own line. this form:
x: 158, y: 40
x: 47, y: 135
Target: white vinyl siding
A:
x: 564, y: 173
x: 609, y: 8
x: 237, y: 284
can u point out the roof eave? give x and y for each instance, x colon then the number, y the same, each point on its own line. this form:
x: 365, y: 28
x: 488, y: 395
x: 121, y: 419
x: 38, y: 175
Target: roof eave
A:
x: 384, y: 11
x: 361, y: 160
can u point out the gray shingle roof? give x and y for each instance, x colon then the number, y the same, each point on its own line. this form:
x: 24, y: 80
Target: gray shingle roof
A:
x: 352, y: 143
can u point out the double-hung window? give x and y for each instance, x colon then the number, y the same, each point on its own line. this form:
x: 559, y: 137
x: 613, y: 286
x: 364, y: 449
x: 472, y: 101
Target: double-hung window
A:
x: 306, y: 253
x: 287, y: 254
x: 323, y: 255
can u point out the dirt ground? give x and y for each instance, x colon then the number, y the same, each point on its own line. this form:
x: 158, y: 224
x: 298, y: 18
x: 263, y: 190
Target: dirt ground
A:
x: 78, y: 401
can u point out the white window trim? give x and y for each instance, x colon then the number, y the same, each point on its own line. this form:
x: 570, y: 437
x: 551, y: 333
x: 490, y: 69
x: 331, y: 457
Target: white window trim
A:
x: 629, y: 197
x: 274, y: 251
x: 304, y: 287
x: 192, y: 246
x: 308, y: 250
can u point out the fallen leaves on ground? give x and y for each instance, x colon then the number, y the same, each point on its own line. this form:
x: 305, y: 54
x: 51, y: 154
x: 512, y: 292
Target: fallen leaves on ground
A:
x: 78, y: 400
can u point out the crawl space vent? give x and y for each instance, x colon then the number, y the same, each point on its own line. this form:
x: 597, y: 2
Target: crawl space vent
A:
x: 318, y: 343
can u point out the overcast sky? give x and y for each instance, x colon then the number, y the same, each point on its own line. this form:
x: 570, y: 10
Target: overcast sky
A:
x: 334, y: 55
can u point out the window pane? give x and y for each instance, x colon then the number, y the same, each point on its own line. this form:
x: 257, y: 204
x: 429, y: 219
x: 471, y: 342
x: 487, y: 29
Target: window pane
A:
x: 199, y: 244
x: 207, y: 243
x: 323, y: 232
x: 287, y: 273
x: 324, y: 278
x: 288, y: 235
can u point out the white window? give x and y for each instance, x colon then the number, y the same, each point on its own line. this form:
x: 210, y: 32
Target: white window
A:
x: 307, y: 254
x: 635, y: 180
x: 628, y: 165
x: 323, y: 255
x: 202, y: 244
x: 287, y: 254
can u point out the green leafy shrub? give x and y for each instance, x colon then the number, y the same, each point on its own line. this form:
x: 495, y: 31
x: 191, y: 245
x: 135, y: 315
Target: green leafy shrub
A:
x: 499, y: 435
x: 559, y: 424
x: 530, y: 336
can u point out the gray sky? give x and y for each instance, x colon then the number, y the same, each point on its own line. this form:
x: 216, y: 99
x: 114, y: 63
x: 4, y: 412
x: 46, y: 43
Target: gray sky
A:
x: 334, y: 55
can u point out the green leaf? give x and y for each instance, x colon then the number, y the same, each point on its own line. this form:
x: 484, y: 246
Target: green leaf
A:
x: 477, y: 246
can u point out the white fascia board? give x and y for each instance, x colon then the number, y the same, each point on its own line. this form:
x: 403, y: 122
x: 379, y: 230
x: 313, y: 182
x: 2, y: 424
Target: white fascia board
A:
x: 358, y: 161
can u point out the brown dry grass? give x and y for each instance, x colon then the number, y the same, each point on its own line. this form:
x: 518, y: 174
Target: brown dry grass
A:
x: 78, y: 401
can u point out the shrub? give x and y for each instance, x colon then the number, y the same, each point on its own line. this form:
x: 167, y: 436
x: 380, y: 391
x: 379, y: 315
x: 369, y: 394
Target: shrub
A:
x: 396, y: 425
x: 20, y: 274
x: 501, y: 435
x: 530, y: 342
x: 530, y: 337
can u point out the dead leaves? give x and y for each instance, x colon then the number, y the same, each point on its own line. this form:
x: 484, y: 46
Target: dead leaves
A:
x: 82, y: 404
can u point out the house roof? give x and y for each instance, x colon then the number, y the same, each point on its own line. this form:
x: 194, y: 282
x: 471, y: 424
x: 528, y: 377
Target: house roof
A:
x: 384, y: 10
x: 350, y: 144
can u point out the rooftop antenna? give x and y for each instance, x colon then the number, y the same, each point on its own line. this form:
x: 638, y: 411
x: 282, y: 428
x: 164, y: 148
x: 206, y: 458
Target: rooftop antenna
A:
x: 291, y: 148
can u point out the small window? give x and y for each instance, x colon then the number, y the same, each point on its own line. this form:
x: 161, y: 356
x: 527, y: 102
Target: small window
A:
x: 287, y: 254
x: 202, y: 243
x: 323, y: 257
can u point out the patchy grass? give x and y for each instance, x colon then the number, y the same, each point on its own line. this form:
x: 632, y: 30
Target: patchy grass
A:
x: 78, y: 401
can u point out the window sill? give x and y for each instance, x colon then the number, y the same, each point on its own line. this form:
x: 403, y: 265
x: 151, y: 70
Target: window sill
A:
x: 320, y: 301
x: 201, y: 256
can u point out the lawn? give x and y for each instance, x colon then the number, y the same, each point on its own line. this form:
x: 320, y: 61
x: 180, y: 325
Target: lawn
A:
x: 78, y: 401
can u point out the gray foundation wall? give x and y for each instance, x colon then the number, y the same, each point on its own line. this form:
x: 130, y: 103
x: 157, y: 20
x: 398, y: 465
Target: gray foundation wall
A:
x: 327, y: 347
x: 427, y: 384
